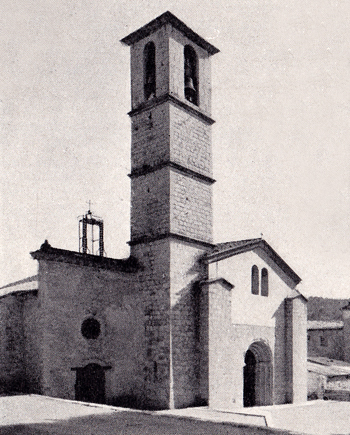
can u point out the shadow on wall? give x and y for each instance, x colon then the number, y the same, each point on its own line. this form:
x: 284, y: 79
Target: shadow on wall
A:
x: 280, y: 387
x: 133, y: 401
x: 18, y: 384
x: 187, y: 343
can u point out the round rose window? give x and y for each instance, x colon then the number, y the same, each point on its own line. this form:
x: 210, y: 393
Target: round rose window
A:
x: 90, y: 328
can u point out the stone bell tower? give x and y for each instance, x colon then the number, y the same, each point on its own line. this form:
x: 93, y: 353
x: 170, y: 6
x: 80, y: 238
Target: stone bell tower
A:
x: 171, y: 196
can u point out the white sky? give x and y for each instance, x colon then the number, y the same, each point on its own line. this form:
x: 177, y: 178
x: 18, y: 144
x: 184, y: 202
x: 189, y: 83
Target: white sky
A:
x: 281, y: 99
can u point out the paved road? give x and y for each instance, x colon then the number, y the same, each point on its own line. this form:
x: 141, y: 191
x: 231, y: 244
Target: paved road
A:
x: 315, y: 417
x: 37, y: 415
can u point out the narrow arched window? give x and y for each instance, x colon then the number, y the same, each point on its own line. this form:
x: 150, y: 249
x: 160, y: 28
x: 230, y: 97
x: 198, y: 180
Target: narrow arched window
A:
x: 149, y: 76
x: 191, y: 75
x: 264, y: 282
x: 255, y: 280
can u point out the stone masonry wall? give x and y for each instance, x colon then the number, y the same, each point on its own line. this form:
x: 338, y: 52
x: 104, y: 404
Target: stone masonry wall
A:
x: 228, y: 342
x: 190, y: 139
x: 203, y: 339
x: 168, y: 133
x: 190, y: 207
x: 154, y: 291
x: 331, y: 346
x: 279, y: 390
x: 169, y: 201
x: 289, y: 349
x: 150, y: 210
x: 167, y: 286
x: 300, y: 350
x: 186, y: 270
x: 150, y: 138
x: 296, y: 350
x: 12, y: 374
x: 33, y: 339
x: 346, y: 334
x: 68, y: 295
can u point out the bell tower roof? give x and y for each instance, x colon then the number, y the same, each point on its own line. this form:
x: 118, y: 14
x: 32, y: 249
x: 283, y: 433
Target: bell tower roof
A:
x: 162, y: 20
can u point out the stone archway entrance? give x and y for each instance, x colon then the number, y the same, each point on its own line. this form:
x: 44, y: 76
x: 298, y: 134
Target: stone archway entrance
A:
x: 90, y: 384
x: 257, y: 375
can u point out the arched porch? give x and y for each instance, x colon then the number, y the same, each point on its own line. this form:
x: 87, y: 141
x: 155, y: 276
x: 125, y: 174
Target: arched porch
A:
x: 258, y: 375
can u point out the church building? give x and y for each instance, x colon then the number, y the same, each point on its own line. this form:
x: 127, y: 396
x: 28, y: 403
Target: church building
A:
x: 182, y: 321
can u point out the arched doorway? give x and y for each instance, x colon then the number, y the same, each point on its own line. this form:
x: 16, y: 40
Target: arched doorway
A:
x: 257, y: 375
x: 90, y: 384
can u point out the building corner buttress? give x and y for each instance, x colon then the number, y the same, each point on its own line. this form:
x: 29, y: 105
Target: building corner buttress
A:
x: 296, y: 349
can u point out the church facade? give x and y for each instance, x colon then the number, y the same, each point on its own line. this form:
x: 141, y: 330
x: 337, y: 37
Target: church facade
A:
x: 182, y: 321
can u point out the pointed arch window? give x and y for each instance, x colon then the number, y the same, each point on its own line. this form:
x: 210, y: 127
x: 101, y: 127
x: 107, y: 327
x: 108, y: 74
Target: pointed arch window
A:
x: 149, y: 59
x: 191, y: 74
x: 264, y: 282
x: 255, y: 280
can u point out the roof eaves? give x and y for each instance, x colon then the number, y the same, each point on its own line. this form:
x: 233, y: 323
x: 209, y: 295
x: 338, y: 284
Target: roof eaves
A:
x: 220, y: 247
x: 162, y: 20
x: 211, y: 257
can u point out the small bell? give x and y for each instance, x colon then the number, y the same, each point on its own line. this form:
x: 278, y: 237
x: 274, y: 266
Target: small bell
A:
x: 150, y: 79
x: 190, y: 90
x: 189, y: 86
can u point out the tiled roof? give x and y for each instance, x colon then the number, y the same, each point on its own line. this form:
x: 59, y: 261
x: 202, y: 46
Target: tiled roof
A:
x: 27, y: 284
x: 221, y: 247
x: 324, y: 324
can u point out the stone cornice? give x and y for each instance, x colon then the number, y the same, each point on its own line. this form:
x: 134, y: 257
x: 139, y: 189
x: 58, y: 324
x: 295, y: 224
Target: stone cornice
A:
x: 162, y: 20
x: 147, y: 239
x: 143, y: 170
x: 48, y: 253
x: 156, y: 101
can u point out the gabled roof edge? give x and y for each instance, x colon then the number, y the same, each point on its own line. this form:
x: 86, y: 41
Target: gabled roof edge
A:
x: 249, y: 246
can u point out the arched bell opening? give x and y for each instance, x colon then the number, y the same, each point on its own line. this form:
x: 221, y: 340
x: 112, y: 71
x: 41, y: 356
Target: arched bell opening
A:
x: 257, y: 375
x: 149, y: 76
x: 191, y: 75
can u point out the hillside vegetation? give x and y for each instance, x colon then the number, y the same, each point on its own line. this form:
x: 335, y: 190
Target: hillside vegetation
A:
x: 325, y: 309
